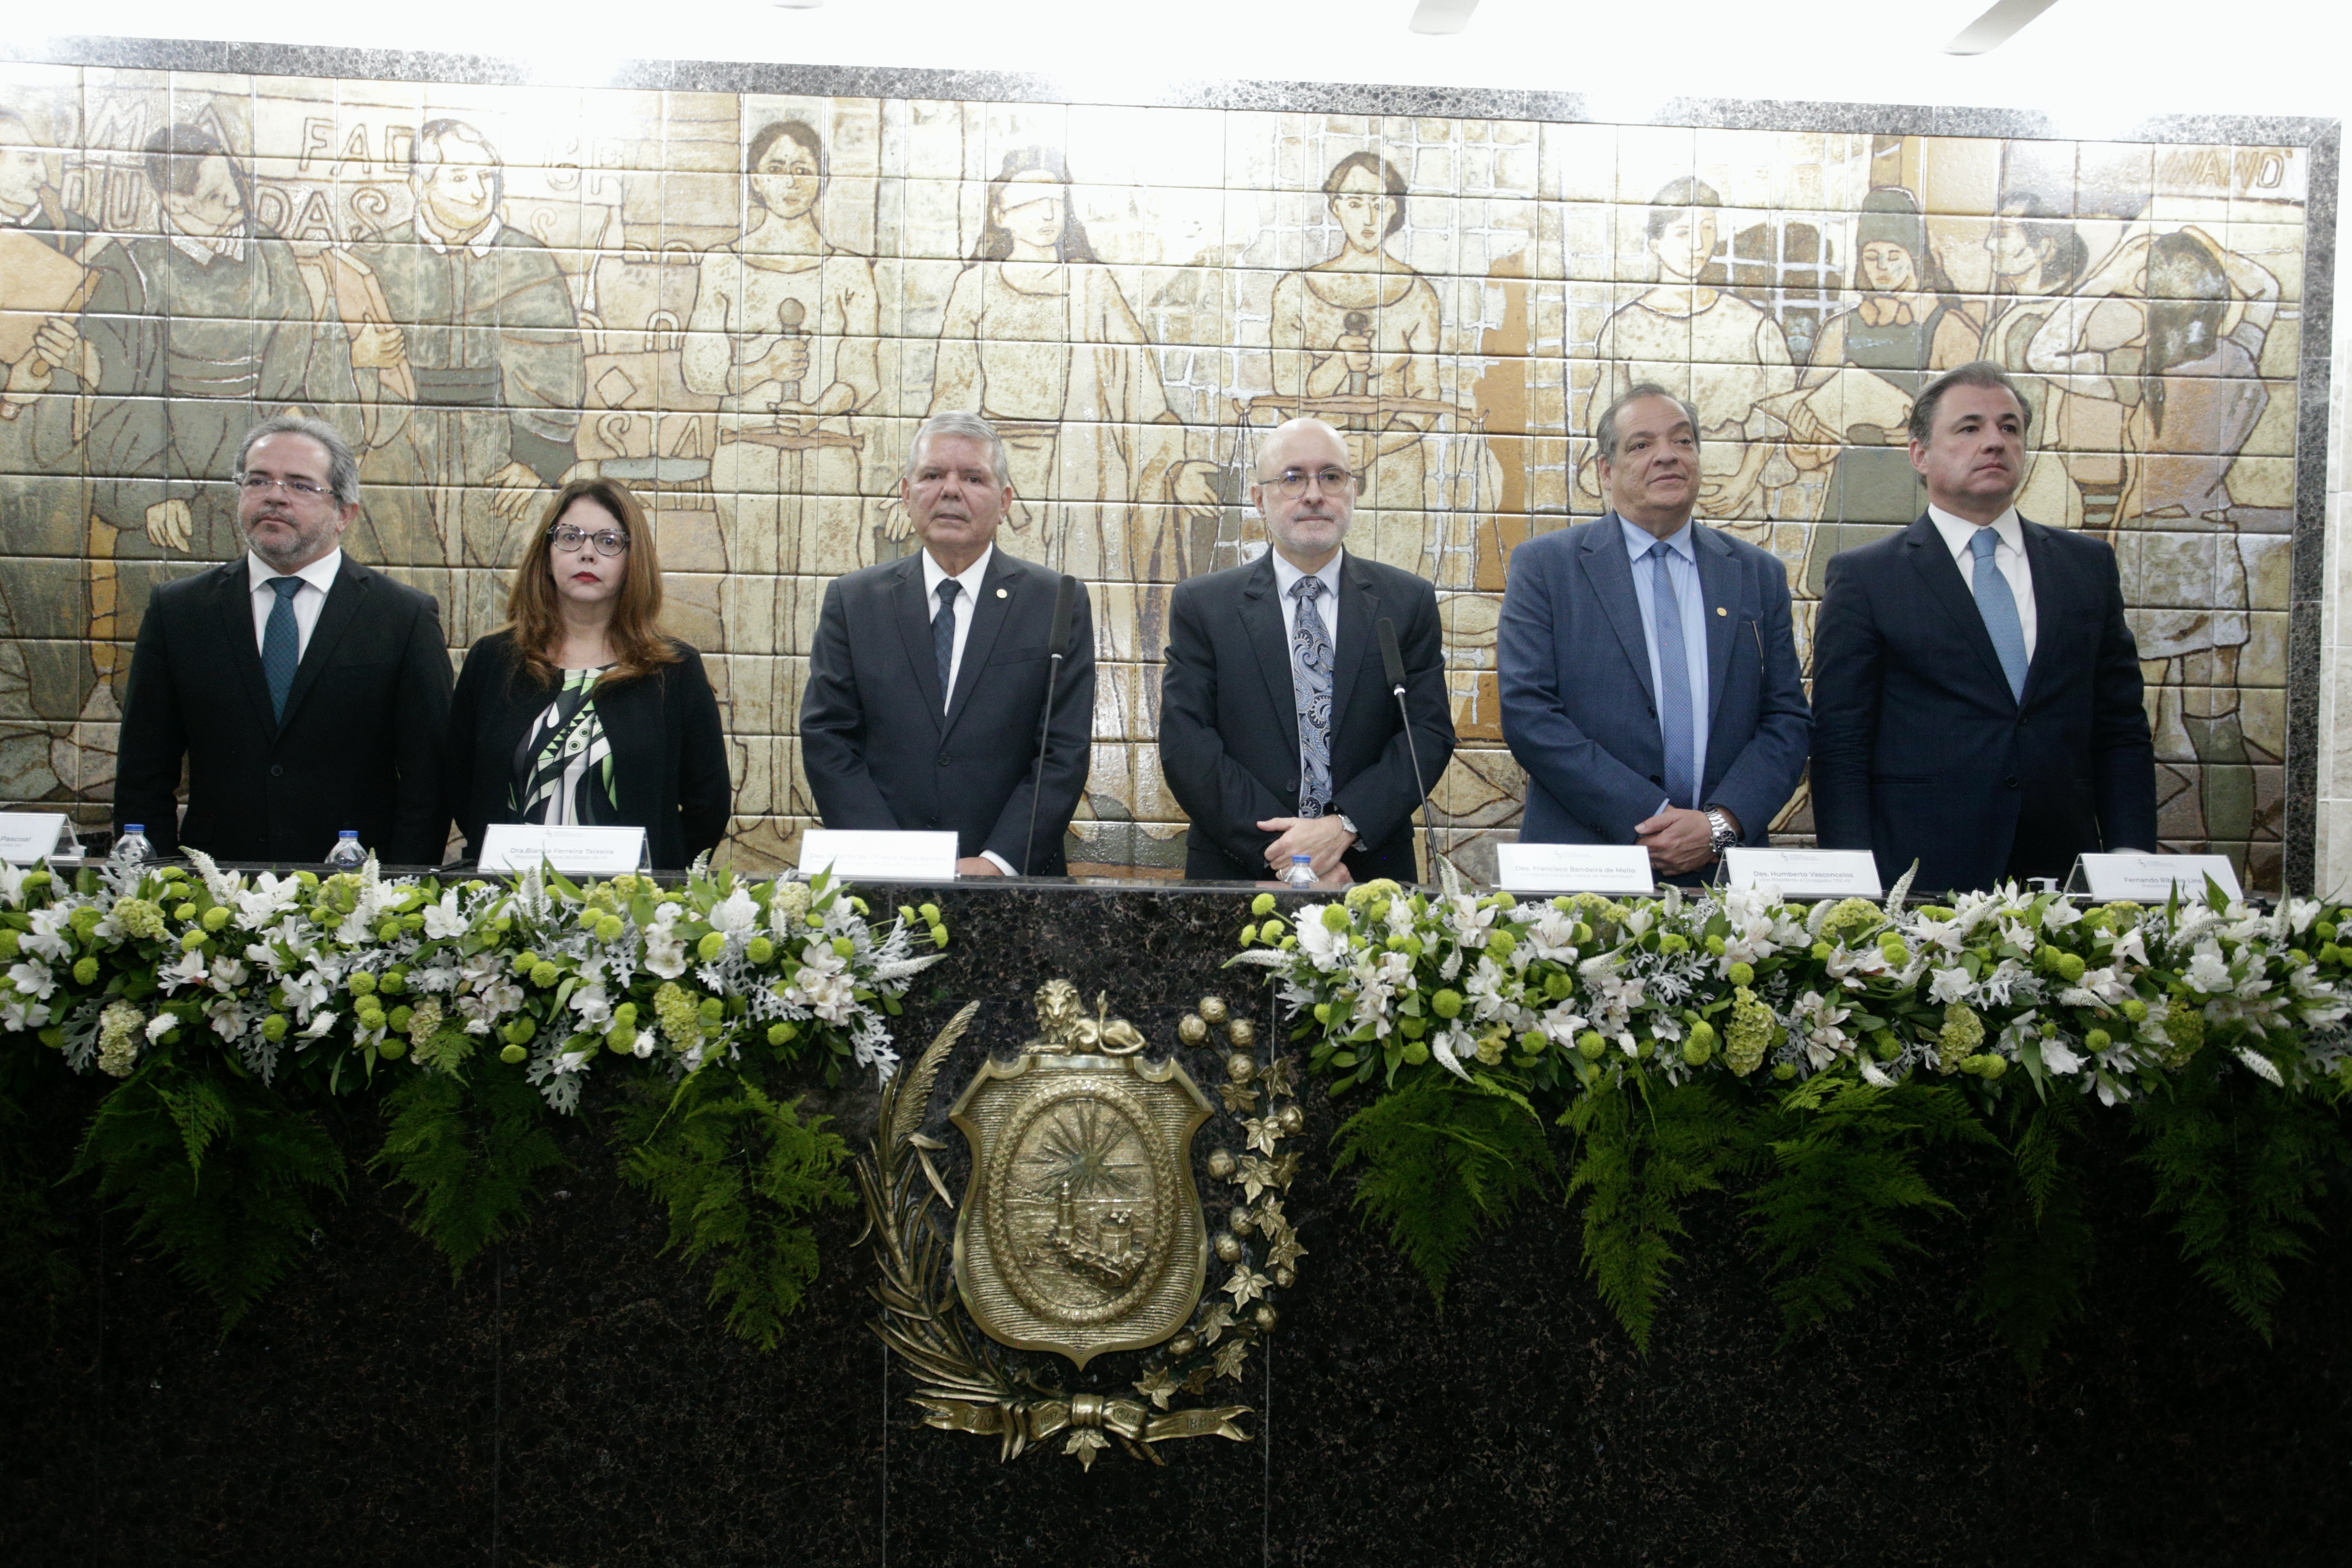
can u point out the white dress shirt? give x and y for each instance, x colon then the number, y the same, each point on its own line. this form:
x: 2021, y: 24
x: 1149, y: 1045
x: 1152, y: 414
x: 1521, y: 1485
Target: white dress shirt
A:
x: 318, y: 580
x: 1286, y: 576
x: 2008, y: 558
x: 968, y: 581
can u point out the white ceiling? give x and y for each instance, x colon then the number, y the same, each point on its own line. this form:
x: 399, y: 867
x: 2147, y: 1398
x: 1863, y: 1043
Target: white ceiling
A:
x: 2097, y: 66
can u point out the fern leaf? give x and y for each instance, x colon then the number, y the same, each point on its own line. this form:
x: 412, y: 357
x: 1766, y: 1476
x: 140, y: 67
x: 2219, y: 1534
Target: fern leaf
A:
x: 2038, y: 1257
x: 1843, y: 1177
x: 1441, y: 1164
x: 2237, y: 1166
x: 470, y: 1152
x: 239, y: 1232
x: 1638, y: 1161
x: 740, y: 1173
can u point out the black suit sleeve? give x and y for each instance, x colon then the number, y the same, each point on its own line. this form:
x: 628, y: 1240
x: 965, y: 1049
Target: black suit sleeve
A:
x: 1070, y: 755
x: 420, y: 730
x: 153, y: 740
x: 1849, y: 658
x: 458, y: 794
x: 833, y: 729
x: 705, y: 797
x: 1381, y: 799
x: 1224, y: 800
x: 2123, y: 754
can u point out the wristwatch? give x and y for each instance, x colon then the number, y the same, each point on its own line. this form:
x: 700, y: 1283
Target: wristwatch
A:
x: 1720, y: 836
x: 1355, y: 835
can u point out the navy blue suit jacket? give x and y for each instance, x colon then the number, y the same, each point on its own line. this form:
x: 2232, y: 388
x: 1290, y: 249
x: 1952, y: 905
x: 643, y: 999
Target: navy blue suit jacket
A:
x: 1920, y: 752
x: 881, y: 753
x: 1578, y: 710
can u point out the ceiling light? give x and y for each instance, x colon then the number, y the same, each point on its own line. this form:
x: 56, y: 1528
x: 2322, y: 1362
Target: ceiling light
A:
x: 1442, y: 16
x: 1992, y: 29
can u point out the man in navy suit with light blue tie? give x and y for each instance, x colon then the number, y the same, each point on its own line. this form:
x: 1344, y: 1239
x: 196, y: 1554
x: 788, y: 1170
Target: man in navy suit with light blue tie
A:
x: 1649, y: 674
x: 1976, y: 687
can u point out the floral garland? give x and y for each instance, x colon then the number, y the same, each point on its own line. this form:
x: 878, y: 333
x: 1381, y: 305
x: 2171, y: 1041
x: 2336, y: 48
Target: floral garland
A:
x: 1573, y: 1003
x: 223, y: 996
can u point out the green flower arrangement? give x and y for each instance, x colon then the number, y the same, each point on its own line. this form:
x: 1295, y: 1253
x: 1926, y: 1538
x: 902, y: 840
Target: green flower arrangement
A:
x: 221, y: 1002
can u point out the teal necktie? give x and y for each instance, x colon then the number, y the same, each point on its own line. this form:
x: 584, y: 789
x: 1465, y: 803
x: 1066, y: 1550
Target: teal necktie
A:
x: 1998, y: 607
x: 281, y: 644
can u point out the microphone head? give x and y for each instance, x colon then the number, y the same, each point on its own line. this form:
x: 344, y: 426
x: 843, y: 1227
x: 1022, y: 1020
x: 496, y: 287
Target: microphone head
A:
x: 1391, y: 659
x: 1066, y: 595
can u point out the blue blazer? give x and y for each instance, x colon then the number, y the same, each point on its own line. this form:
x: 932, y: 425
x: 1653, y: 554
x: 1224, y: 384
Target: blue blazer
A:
x: 1577, y: 709
x: 1920, y: 751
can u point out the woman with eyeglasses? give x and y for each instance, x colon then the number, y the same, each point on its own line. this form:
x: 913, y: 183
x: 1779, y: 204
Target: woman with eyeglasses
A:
x: 580, y: 710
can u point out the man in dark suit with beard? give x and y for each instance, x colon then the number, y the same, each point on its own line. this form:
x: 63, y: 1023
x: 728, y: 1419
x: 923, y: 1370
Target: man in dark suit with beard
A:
x: 306, y: 693
x: 928, y: 679
x: 1977, y: 698
x: 1279, y: 733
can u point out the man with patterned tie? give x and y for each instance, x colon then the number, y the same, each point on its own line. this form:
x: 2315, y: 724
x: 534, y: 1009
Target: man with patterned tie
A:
x: 1650, y: 685
x: 1976, y: 686
x: 926, y: 682
x: 305, y: 692
x: 1279, y: 733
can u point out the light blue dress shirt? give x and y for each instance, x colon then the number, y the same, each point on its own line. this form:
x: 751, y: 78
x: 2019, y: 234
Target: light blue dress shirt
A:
x: 1682, y: 570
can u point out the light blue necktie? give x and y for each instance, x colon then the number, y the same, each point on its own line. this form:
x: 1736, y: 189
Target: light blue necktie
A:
x: 1310, y: 683
x: 281, y: 644
x: 1674, y: 706
x: 1998, y: 607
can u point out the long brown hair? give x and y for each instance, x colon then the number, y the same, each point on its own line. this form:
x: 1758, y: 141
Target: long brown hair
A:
x: 639, y: 645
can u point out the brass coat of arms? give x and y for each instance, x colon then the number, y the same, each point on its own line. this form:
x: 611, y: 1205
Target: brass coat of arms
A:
x: 1081, y: 1232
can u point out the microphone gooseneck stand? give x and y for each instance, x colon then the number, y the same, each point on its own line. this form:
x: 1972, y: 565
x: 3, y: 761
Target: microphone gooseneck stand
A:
x: 1057, y: 637
x: 1392, y: 661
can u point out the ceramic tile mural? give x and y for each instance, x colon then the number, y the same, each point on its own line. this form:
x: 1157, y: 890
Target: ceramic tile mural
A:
x: 742, y: 305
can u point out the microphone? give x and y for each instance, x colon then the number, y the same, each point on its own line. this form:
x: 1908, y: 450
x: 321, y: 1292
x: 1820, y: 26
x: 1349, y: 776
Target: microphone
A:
x: 1392, y: 661
x: 1057, y: 642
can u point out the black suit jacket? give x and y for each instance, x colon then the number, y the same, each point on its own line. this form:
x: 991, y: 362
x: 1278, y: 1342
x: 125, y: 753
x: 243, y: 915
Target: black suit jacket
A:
x: 359, y: 745
x: 1920, y: 752
x: 882, y: 751
x: 669, y: 755
x: 1229, y: 721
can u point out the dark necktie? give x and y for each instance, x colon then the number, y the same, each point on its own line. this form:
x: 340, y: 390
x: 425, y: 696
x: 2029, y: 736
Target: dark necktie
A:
x: 1674, y: 705
x: 1310, y: 683
x: 281, y: 644
x: 943, y: 635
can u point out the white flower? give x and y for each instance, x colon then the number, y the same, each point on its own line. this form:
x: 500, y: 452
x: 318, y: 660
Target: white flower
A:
x: 305, y: 992
x: 1446, y: 1042
x: 643, y: 1046
x: 228, y: 974
x: 161, y: 1024
x: 593, y: 1004
x: 1325, y: 949
x: 47, y: 939
x: 228, y: 1018
x: 2058, y: 1058
x: 321, y: 1025
x: 16, y: 1017
x: 269, y: 897
x: 736, y: 915
x: 189, y: 971
x: 445, y: 920
x: 2208, y: 971
x: 32, y: 980
x: 665, y: 950
x: 1948, y: 985
x: 1552, y: 935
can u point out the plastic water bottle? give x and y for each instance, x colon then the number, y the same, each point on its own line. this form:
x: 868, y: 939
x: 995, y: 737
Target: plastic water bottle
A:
x: 349, y: 854
x: 1302, y: 871
x: 131, y: 846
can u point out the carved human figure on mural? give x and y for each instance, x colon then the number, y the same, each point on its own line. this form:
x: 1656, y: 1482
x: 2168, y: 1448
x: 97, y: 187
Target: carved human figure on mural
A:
x: 1357, y: 338
x: 1722, y: 353
x: 1038, y: 338
x: 2036, y: 259
x: 1867, y: 365
x: 785, y: 335
x: 490, y: 344
x: 186, y: 337
x: 2168, y: 331
x: 40, y: 239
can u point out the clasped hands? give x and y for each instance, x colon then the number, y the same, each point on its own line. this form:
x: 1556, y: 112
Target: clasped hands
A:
x: 1678, y: 840
x: 1323, y: 838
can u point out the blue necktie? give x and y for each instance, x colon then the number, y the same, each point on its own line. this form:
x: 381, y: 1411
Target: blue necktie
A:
x: 1674, y: 705
x: 943, y: 635
x: 1998, y: 607
x: 1310, y: 687
x: 281, y: 644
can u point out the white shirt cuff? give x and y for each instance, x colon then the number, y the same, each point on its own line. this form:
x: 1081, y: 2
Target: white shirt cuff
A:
x: 992, y: 857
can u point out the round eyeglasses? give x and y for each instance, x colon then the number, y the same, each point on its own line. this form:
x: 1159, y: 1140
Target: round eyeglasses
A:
x: 568, y: 541
x: 1292, y: 482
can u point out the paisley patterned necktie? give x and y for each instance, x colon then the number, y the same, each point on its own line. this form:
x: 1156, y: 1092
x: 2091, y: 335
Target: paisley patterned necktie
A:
x: 1310, y: 684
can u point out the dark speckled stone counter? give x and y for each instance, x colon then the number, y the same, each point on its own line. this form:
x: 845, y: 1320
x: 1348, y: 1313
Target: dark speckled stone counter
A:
x: 570, y: 1403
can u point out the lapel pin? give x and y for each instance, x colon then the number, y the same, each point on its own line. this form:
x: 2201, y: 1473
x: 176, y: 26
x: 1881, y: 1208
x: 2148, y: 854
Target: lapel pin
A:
x: 1000, y: 594
x: 1721, y: 611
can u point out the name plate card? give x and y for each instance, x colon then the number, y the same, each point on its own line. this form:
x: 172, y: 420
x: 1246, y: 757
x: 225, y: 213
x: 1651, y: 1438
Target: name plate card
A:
x: 1805, y: 873
x: 2151, y: 879
x: 879, y: 857
x: 574, y: 851
x: 1574, y: 868
x: 26, y: 836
